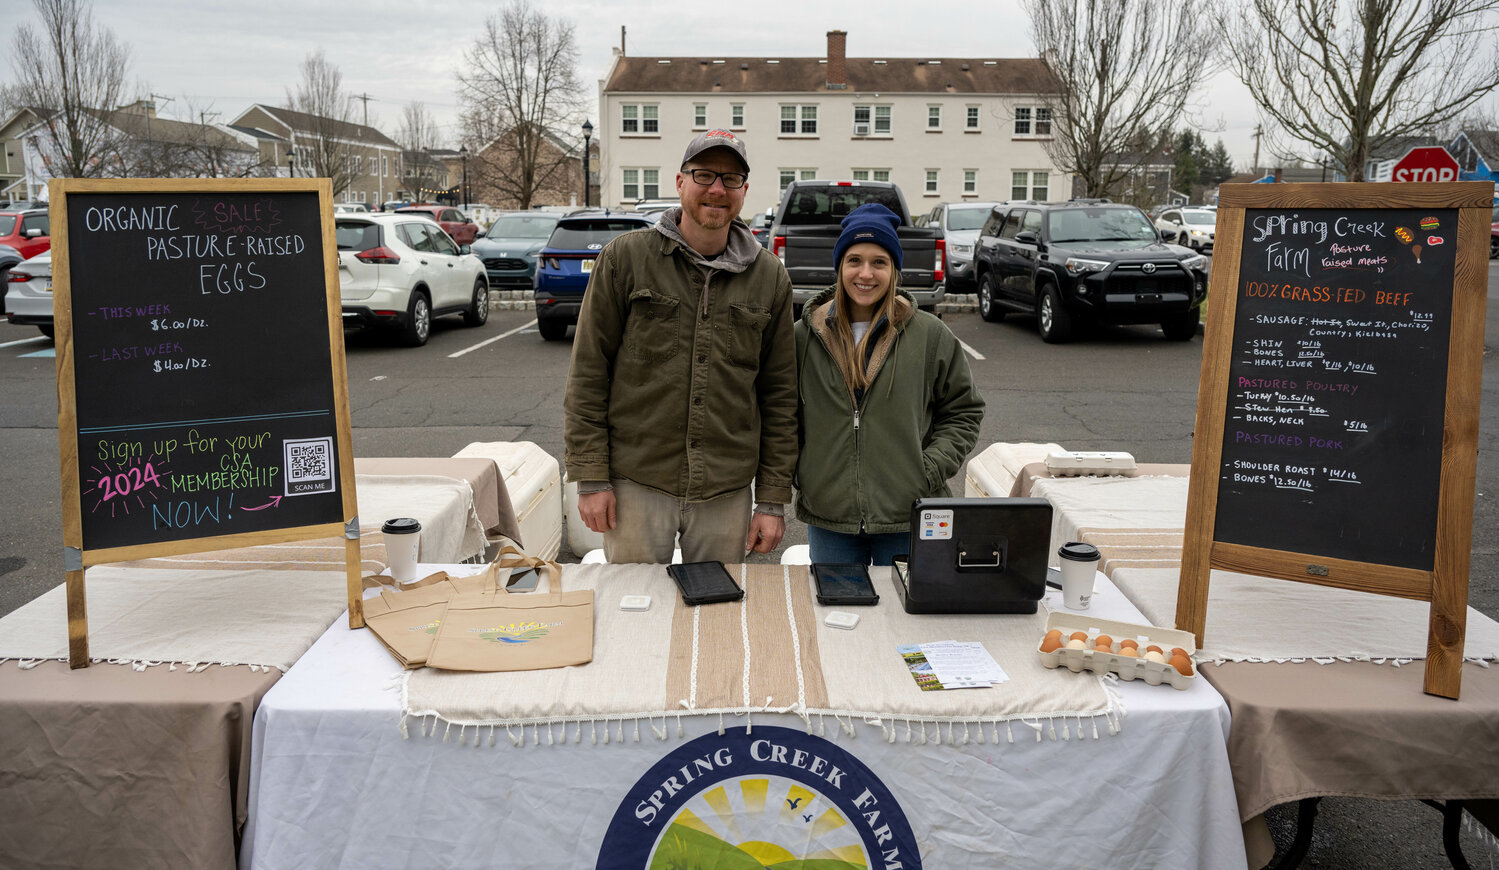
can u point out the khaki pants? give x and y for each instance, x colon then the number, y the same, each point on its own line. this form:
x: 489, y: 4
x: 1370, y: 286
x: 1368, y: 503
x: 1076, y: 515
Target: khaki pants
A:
x: 646, y: 524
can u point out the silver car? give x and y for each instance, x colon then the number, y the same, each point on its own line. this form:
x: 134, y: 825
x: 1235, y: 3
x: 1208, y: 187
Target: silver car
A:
x: 28, y: 294
x: 960, y: 223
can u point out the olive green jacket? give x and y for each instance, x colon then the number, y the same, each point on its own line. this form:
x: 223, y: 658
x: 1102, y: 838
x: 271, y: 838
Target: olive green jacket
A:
x: 683, y: 374
x: 862, y: 464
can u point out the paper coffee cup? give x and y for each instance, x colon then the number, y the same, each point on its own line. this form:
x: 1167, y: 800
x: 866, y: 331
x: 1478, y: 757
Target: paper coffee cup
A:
x: 403, y: 542
x: 1079, y: 564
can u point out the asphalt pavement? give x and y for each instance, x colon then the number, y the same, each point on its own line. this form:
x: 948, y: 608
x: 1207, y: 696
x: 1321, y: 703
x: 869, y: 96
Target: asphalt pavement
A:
x: 1111, y: 389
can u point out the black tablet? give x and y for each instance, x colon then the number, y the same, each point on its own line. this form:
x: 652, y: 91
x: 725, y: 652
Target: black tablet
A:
x: 844, y: 584
x: 704, y: 582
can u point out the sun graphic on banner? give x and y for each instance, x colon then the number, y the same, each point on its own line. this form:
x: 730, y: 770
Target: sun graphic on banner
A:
x: 754, y: 822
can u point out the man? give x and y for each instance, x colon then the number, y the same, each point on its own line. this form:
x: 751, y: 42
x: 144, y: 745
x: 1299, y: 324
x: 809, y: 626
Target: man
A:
x: 683, y: 383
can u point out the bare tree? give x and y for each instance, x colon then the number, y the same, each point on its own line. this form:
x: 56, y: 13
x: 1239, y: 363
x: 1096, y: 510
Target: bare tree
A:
x: 73, y: 73
x: 1348, y: 77
x: 1120, y: 75
x: 417, y: 135
x: 328, y: 123
x: 521, y: 98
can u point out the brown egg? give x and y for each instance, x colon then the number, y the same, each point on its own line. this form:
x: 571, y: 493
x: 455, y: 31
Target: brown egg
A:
x: 1177, y: 651
x: 1130, y: 643
x: 1103, y: 648
x: 1129, y: 652
x: 1051, y: 643
x: 1078, y: 635
x: 1077, y: 643
x: 1182, y: 664
x: 1104, y: 640
x: 1155, y: 649
x: 1055, y: 632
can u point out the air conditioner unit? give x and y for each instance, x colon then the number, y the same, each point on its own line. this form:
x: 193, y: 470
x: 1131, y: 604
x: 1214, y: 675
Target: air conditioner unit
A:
x: 861, y: 129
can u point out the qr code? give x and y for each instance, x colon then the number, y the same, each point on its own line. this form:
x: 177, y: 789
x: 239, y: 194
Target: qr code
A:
x: 309, y: 465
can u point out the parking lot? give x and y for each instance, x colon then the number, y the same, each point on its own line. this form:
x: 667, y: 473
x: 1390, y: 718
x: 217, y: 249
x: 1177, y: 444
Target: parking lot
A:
x: 1111, y: 389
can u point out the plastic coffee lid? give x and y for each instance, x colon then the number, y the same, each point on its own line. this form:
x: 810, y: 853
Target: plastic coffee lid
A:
x: 1076, y: 551
x: 401, y: 526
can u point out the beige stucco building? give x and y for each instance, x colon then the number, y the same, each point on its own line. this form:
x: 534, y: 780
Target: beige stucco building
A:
x: 944, y: 129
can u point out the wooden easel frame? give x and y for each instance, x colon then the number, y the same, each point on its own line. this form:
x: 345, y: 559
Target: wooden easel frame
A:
x: 1446, y: 585
x: 76, y: 558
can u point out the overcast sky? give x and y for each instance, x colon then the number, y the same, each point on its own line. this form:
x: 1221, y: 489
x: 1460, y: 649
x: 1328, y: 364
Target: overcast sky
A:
x: 223, y: 56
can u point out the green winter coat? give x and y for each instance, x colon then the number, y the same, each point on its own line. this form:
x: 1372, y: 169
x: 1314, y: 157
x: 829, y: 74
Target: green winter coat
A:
x: 861, y: 466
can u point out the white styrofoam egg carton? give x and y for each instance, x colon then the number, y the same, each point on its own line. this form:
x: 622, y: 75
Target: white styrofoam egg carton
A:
x: 1067, y: 463
x: 1126, y: 667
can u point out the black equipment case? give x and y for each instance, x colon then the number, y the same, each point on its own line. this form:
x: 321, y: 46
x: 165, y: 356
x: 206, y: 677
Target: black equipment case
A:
x: 975, y: 555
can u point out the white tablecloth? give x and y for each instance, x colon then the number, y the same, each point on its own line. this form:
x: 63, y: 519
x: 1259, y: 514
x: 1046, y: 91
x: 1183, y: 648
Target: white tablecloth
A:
x: 334, y: 784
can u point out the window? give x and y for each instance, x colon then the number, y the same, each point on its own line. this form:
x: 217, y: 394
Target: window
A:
x: 877, y: 116
x: 375, y: 165
x: 970, y: 181
x: 1024, y: 116
x: 861, y: 175
x: 385, y: 165
x: 931, y: 181
x: 789, y: 175
x: 871, y: 175
x: 358, y: 164
x: 736, y: 115
x: 1029, y: 185
x: 972, y: 122
x: 882, y: 175
x: 639, y: 119
x: 640, y: 183
x: 934, y: 117
x: 808, y: 120
x: 700, y: 115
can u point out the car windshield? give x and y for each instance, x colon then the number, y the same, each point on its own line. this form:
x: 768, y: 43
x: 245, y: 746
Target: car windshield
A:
x: 356, y: 235
x: 579, y: 235
x: 1200, y: 218
x: 1100, y: 225
x: 523, y: 226
x: 817, y: 205
x: 966, y: 218
x: 8, y: 224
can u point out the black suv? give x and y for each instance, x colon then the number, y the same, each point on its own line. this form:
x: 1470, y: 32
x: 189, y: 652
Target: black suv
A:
x: 1071, y: 261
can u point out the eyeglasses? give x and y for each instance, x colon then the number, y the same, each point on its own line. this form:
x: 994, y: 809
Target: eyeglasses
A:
x: 706, y: 177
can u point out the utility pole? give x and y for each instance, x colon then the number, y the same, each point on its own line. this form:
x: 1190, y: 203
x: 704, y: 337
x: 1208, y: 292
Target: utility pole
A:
x: 1257, y: 133
x: 365, y: 98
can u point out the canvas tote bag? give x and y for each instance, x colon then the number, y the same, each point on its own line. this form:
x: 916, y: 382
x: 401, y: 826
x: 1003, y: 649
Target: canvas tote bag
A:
x: 405, y: 618
x: 495, y: 630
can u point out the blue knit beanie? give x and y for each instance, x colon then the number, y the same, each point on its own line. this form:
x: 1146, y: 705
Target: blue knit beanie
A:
x: 870, y: 222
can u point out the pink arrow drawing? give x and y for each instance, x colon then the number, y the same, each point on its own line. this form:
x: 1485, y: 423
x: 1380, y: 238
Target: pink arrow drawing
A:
x: 274, y: 502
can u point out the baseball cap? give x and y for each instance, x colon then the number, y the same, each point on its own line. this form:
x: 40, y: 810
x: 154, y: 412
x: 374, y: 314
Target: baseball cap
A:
x: 716, y: 139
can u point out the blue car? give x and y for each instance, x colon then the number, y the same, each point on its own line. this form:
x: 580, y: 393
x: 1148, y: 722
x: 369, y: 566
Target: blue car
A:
x: 510, y: 248
x: 567, y: 260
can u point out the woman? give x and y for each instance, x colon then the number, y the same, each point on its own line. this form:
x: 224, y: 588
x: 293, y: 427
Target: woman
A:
x: 887, y: 405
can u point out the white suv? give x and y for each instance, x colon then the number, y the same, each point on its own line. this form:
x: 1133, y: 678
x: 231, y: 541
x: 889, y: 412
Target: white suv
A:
x: 1189, y: 227
x: 398, y: 271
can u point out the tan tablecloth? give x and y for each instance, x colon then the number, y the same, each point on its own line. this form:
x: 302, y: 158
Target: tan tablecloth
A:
x: 491, y: 499
x: 108, y: 767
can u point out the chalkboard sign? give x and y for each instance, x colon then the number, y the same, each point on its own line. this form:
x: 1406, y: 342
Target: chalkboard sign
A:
x: 1337, y: 383
x: 203, y: 398
x: 1337, y: 412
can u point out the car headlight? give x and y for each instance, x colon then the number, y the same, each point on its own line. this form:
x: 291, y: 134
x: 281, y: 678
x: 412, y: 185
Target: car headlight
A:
x: 1196, y: 263
x: 1199, y: 232
x: 1079, y: 266
x: 960, y: 249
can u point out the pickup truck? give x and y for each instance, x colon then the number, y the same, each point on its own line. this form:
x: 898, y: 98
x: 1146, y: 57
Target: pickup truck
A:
x: 807, y: 225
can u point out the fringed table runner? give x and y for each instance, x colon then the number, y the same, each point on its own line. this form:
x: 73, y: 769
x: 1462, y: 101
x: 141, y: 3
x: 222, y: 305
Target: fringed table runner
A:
x: 145, y: 616
x: 769, y: 653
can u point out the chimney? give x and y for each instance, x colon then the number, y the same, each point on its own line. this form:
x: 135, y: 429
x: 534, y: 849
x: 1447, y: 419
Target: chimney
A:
x: 837, y: 61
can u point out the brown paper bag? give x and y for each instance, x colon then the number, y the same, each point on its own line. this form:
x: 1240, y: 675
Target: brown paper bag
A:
x: 504, y: 631
x: 405, y: 619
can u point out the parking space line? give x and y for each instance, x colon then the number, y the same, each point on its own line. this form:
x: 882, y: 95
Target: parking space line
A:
x: 34, y: 338
x: 489, y: 341
x: 968, y: 350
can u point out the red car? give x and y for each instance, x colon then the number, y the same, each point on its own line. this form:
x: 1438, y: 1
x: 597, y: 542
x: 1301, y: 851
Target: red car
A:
x: 28, y: 231
x: 457, y: 225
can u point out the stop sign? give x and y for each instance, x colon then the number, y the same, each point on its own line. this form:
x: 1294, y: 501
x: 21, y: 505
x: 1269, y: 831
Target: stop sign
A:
x: 1426, y: 163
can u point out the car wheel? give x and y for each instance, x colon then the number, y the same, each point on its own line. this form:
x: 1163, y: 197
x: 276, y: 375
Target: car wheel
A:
x: 1181, y: 327
x: 552, y: 330
x: 477, y: 313
x: 418, y: 320
x: 1183, y: 241
x: 46, y: 330
x: 988, y: 308
x: 1494, y: 247
x: 1052, y: 320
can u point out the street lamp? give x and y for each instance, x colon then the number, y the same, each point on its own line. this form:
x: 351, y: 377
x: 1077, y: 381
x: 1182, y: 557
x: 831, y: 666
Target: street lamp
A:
x: 291, y: 167
x: 463, y: 153
x: 587, y: 134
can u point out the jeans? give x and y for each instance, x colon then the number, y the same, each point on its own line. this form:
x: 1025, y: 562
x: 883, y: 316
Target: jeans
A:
x: 647, y: 523
x: 837, y: 548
